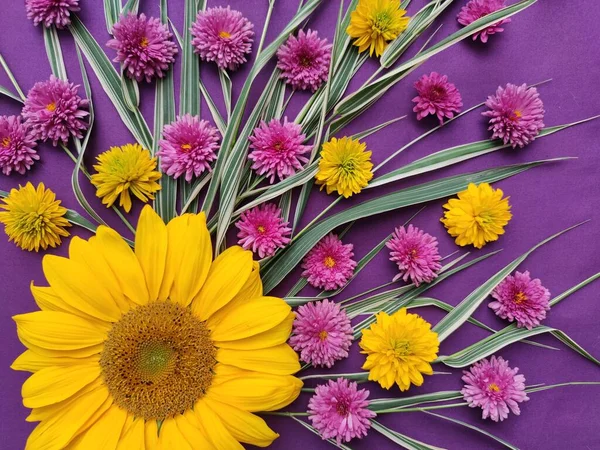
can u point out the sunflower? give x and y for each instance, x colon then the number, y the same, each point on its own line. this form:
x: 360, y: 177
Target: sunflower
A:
x: 157, y: 348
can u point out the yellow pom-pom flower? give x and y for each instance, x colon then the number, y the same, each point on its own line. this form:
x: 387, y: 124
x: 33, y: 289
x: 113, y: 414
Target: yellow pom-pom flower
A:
x: 345, y: 166
x: 399, y: 349
x: 477, y: 216
x: 124, y: 170
x: 33, y: 218
x: 375, y: 22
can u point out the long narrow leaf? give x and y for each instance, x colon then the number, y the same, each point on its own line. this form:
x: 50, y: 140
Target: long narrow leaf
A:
x: 400, y: 439
x: 54, y: 52
x: 9, y: 94
x: 112, y: 9
x: 12, y: 78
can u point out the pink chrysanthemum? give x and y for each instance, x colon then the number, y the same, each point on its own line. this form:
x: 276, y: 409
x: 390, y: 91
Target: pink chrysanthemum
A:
x: 516, y: 114
x: 521, y: 299
x: 416, y: 254
x: 322, y: 333
x: 188, y: 147
x: 222, y: 35
x: 277, y: 149
x: 53, y: 110
x: 263, y: 230
x: 144, y: 46
x: 329, y: 265
x: 436, y: 96
x: 339, y: 410
x: 304, y: 60
x: 494, y: 387
x: 51, y: 12
x: 17, y: 146
x: 476, y: 9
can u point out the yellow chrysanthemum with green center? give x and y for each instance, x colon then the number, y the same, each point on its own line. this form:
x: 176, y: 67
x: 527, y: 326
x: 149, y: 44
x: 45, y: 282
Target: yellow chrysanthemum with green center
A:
x: 376, y: 22
x: 477, y: 216
x: 33, y: 218
x: 155, y: 348
x: 123, y: 171
x: 345, y: 166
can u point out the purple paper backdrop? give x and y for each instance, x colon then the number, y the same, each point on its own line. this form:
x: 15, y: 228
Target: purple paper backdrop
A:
x: 550, y: 40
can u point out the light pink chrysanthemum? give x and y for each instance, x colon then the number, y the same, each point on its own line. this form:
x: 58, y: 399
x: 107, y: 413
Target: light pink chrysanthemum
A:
x: 322, y: 333
x: 304, y: 60
x: 476, y: 9
x: 277, y: 149
x: 188, y: 147
x: 17, y: 146
x: 51, y: 12
x: 329, y: 265
x: 144, y: 46
x: 53, y: 110
x: 222, y: 35
x: 436, y: 96
x: 516, y: 114
x: 494, y: 387
x: 263, y: 230
x: 521, y: 299
x: 416, y: 254
x: 339, y: 410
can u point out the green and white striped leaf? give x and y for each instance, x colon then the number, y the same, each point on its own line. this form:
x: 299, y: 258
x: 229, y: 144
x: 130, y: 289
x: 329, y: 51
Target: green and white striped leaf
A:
x: 401, y: 439
x: 9, y: 94
x: 214, y: 111
x: 131, y: 6
x: 575, y: 288
x: 226, y: 88
x: 384, y: 404
x: 77, y: 219
x: 131, y: 92
x: 54, y: 52
x: 112, y: 9
x: 356, y: 376
x: 12, y: 78
x: 314, y: 430
x: 375, y: 129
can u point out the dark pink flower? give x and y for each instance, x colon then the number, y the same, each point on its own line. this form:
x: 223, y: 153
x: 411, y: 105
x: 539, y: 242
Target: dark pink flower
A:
x: 51, y: 12
x: 17, y: 146
x: 476, y: 9
x: 329, y: 265
x: 263, y: 230
x: 436, y: 96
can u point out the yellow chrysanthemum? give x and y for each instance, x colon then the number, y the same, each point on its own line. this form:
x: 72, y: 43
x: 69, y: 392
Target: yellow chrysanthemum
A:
x: 33, y: 218
x: 125, y: 169
x: 399, y: 348
x: 375, y: 22
x: 158, y: 348
x: 345, y: 166
x: 477, y: 216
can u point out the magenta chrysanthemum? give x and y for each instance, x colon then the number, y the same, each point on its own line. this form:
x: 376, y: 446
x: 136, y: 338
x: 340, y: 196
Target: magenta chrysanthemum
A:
x: 436, y: 96
x: 188, y: 147
x: 495, y: 388
x: 51, y: 12
x: 516, y: 114
x: 277, y: 149
x: 53, y: 110
x: 416, y: 254
x: 17, y: 146
x: 222, y: 35
x: 521, y: 299
x: 476, y: 9
x: 339, y: 410
x: 329, y: 265
x: 144, y: 46
x: 322, y: 333
x: 263, y: 230
x: 304, y: 60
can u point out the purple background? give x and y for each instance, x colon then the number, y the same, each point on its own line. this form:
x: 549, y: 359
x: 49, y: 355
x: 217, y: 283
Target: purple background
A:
x: 549, y: 40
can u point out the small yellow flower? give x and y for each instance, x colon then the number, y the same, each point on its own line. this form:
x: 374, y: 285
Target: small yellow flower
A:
x: 375, y: 22
x: 125, y: 169
x: 477, y: 216
x: 345, y: 166
x: 399, y: 348
x: 33, y: 218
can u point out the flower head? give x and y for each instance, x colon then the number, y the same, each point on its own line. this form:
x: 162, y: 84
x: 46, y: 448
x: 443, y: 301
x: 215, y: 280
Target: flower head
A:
x: 329, y: 265
x: 399, y: 349
x: 494, y: 387
x: 222, y: 35
x: 17, y: 146
x: 338, y: 410
x: 51, y: 12
x: 436, y: 96
x: 516, y: 114
x: 188, y: 147
x: 124, y: 170
x: 375, y: 22
x: 476, y: 9
x: 277, y: 149
x: 55, y: 111
x: 345, y: 166
x: 477, y: 216
x: 33, y: 218
x: 416, y: 254
x: 263, y: 230
x: 144, y: 46
x: 322, y: 333
x: 304, y: 60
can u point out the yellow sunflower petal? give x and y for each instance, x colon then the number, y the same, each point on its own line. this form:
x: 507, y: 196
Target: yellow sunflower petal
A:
x: 104, y: 434
x: 151, y: 249
x: 29, y: 361
x: 171, y: 438
x: 212, y: 425
x: 187, y: 424
x: 132, y: 437
x: 151, y: 435
x: 275, y: 336
x: 278, y: 360
x: 48, y: 300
